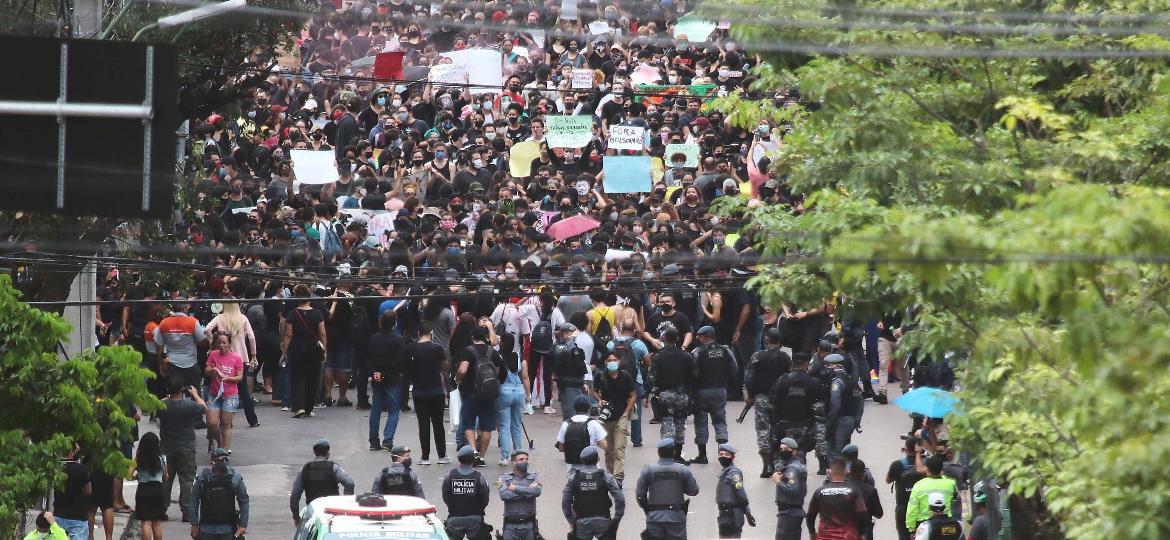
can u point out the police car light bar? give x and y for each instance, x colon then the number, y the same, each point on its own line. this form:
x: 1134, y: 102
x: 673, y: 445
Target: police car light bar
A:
x: 370, y: 513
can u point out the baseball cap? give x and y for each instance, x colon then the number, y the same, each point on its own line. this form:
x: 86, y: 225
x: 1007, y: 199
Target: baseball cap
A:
x: 937, y: 500
x: 568, y: 327
x: 706, y: 330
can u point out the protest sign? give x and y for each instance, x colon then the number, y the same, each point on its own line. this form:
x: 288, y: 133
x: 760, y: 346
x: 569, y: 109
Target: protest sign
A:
x: 655, y: 93
x: 627, y: 174
x: 645, y: 74
x: 485, y: 69
x: 691, y: 151
x: 314, y: 166
x: 569, y: 10
x: 582, y: 78
x: 569, y: 131
x: 522, y: 154
x: 694, y: 28
x: 380, y: 224
x: 598, y: 28
x: 449, y: 73
x: 626, y: 138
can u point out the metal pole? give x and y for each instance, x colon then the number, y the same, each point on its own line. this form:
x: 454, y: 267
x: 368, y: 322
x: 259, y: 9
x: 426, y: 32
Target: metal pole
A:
x: 117, y: 18
x: 61, y: 91
x: 147, y: 131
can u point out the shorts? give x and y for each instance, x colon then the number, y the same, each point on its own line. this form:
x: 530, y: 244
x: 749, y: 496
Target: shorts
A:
x: 228, y: 404
x: 476, y: 415
x: 340, y: 357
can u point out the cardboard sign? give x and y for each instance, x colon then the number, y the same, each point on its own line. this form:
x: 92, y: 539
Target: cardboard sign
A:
x: 627, y: 138
x: 448, y: 73
x: 582, y: 78
x: 645, y: 74
x: 314, y: 166
x: 522, y: 154
x: 691, y: 151
x: 388, y: 66
x: 626, y: 174
x: 485, y: 69
x: 568, y: 131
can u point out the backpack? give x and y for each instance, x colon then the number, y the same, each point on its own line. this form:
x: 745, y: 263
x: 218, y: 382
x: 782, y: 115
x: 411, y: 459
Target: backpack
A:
x: 603, y: 330
x: 626, y: 353
x: 359, y: 324
x: 576, y: 439
x: 487, y: 378
x: 568, y: 360
x: 542, y: 337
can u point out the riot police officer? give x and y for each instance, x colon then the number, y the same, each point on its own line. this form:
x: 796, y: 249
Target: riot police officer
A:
x: 318, y: 478
x: 715, y: 367
x: 587, y: 498
x: 519, y: 489
x: 661, y: 492
x: 794, y: 398
x: 791, y: 479
x: 730, y: 497
x: 765, y: 368
x: 398, y: 478
x: 940, y: 526
x: 214, y: 496
x: 466, y: 494
x: 673, y: 375
x: 845, y: 405
x: 822, y: 373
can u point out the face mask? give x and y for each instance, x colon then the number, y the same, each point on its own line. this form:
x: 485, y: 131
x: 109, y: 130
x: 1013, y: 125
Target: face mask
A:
x: 490, y: 136
x: 718, y: 240
x: 673, y: 79
x: 221, y: 466
x: 396, y: 103
x: 637, y: 230
x: 491, y: 274
x: 522, y: 467
x: 611, y: 366
x: 724, y: 461
x: 763, y: 130
x: 478, y: 164
x: 440, y: 155
x: 691, y: 197
x: 667, y: 308
x: 724, y: 73
x: 381, y: 101
x: 403, y: 116
x: 582, y: 188
x: 446, y: 101
x: 407, y: 462
x: 508, y: 272
x: 786, y: 454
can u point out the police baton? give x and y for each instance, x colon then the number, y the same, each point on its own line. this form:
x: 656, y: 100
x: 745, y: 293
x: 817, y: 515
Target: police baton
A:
x: 746, y: 407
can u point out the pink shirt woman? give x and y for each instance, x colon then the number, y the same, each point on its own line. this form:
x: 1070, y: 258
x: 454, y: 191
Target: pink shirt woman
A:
x: 224, y: 365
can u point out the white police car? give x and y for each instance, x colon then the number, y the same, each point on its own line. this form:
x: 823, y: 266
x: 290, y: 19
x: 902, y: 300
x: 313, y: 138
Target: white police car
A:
x: 370, y: 517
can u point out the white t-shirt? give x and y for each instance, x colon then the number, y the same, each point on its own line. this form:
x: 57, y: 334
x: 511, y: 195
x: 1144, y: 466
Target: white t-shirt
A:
x: 596, y: 430
x: 585, y: 343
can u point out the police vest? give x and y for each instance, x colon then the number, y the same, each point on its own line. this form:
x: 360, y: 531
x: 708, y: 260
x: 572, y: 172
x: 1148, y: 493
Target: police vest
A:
x: 945, y: 528
x: 318, y: 479
x: 465, y: 497
x: 591, y: 494
x: 725, y: 492
x: 766, y: 371
x: 713, y: 362
x: 395, y: 483
x: 666, y: 487
x: 218, y: 504
x: 850, y: 398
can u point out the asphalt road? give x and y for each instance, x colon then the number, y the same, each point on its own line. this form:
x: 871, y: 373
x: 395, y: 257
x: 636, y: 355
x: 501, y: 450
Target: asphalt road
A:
x: 269, y: 457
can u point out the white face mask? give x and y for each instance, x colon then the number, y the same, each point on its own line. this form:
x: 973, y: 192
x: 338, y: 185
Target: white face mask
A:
x: 510, y: 272
x: 673, y: 79
x: 396, y: 103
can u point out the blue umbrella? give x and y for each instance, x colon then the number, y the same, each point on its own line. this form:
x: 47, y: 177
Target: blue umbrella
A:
x: 929, y: 402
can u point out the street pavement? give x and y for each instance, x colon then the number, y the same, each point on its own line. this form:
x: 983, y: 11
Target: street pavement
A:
x: 270, y: 456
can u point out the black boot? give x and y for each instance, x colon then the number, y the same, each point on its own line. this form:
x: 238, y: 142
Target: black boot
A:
x: 822, y: 461
x: 678, y: 455
x: 701, y: 459
x: 769, y: 467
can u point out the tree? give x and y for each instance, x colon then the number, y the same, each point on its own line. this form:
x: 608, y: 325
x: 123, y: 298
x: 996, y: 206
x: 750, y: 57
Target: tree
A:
x: 51, y: 404
x: 1017, y: 200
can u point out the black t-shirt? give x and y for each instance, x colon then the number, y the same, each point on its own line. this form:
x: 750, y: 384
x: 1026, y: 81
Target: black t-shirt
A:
x: 337, y: 327
x: 69, y: 503
x: 304, y: 328
x: 424, y: 360
x: 467, y: 385
x: 905, y: 476
x: 658, y: 323
x: 617, y: 390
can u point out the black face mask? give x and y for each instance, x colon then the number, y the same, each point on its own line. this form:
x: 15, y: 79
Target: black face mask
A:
x: 667, y: 308
x: 786, y: 454
x: 724, y: 461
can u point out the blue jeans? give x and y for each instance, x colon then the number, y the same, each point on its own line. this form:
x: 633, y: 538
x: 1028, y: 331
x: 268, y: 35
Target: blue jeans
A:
x: 636, y: 420
x: 384, y: 398
x: 283, y: 390
x: 568, y: 395
x: 509, y: 412
x: 76, y: 529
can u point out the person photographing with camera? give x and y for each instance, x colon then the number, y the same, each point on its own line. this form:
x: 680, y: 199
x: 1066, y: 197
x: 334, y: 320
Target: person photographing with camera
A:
x: 618, y: 394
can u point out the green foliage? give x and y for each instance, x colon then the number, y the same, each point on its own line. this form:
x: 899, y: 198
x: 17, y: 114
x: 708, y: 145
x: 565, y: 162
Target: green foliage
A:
x: 49, y: 404
x: 1019, y: 205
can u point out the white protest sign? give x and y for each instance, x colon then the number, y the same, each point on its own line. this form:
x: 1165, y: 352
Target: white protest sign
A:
x: 380, y: 224
x: 314, y: 166
x: 485, y: 68
x: 626, y: 137
x: 448, y: 73
x: 569, y: 10
x: 690, y: 153
x: 598, y: 28
x: 582, y: 78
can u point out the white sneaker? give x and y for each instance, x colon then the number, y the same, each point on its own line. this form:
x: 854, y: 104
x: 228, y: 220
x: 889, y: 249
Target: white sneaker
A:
x: 444, y: 460
x: 528, y: 409
x: 285, y: 408
x: 548, y: 409
x: 424, y: 462
x: 504, y: 462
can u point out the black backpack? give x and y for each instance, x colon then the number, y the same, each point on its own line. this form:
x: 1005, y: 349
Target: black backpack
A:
x: 542, y: 337
x: 626, y: 353
x: 604, y: 330
x: 487, y: 378
x: 576, y: 439
x: 359, y: 324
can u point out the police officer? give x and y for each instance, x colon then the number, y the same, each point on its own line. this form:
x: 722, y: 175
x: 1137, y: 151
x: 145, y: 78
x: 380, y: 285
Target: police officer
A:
x: 587, y: 498
x: 765, y: 368
x: 715, y: 367
x: 466, y: 494
x: 661, y: 492
x: 214, y: 496
x: 845, y: 405
x: 824, y: 374
x: 568, y: 368
x: 673, y: 375
x: 318, y: 478
x: 730, y: 496
x: 940, y: 526
x: 398, y: 478
x: 791, y: 479
x: 851, y: 454
x: 794, y: 398
x: 519, y: 489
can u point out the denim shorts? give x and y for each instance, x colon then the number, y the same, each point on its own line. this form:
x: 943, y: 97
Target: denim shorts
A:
x: 476, y: 415
x: 340, y: 358
x: 228, y: 404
